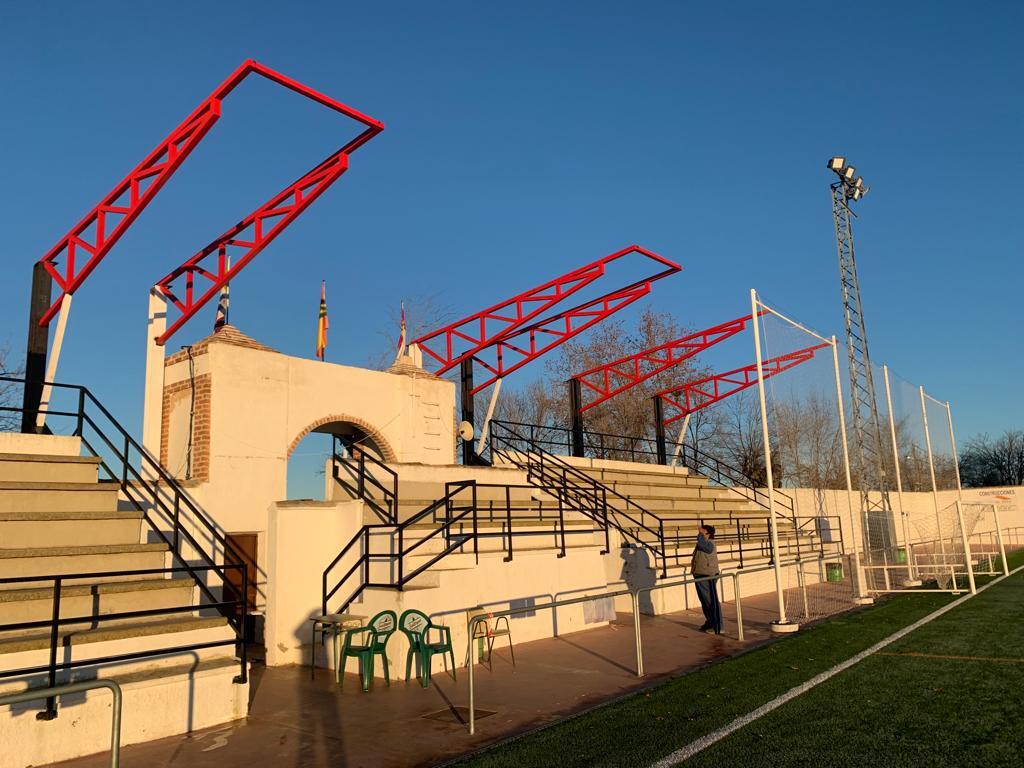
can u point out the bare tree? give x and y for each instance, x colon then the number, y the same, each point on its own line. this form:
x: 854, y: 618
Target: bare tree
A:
x: 423, y: 313
x: 1000, y: 461
x: 10, y: 392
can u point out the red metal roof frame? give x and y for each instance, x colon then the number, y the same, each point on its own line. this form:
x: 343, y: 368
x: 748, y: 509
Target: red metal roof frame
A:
x: 699, y: 394
x: 513, y: 327
x: 104, y: 225
x: 637, y: 368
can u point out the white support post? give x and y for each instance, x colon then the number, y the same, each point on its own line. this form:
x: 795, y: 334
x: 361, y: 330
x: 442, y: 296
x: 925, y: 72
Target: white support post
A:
x: 861, y: 598
x: 913, y: 580
x: 51, y: 365
x: 967, y: 546
x: 680, y: 439
x: 931, y: 470
x: 153, y: 395
x: 1002, y: 545
x: 956, y: 459
x: 782, y: 625
x: 487, y: 419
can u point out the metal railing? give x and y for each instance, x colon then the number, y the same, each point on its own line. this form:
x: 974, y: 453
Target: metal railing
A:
x: 361, y: 481
x: 579, y: 490
x: 53, y: 691
x: 382, y: 552
x: 634, y: 595
x: 644, y: 450
x: 56, y: 642
x: 164, y: 506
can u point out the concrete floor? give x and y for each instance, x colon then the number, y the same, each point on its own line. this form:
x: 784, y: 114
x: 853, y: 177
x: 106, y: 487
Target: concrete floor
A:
x: 296, y: 722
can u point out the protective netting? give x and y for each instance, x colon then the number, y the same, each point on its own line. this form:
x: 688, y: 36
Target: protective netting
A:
x: 937, y: 551
x: 820, y: 588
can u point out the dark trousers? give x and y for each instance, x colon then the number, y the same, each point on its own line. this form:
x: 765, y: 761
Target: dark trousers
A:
x: 707, y: 593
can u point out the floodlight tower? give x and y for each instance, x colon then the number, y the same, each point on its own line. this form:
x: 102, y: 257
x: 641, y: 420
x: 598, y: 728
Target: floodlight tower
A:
x: 849, y: 188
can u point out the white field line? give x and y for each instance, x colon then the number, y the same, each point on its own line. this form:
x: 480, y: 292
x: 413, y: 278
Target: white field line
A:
x: 707, y: 740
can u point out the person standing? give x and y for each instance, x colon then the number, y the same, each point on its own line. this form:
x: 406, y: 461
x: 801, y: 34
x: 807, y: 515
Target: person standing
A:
x: 705, y: 563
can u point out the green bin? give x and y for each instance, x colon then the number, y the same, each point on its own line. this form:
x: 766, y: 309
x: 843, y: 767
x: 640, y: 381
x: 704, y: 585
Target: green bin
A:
x: 833, y: 571
x: 901, y: 556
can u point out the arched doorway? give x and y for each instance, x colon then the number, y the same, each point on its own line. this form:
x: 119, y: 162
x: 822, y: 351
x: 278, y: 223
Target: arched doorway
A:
x: 311, y: 464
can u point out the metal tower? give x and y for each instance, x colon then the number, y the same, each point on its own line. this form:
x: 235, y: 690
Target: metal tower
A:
x: 871, y: 462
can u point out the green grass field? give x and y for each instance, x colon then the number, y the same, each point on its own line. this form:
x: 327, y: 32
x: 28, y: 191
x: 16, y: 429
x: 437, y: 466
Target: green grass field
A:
x: 948, y: 694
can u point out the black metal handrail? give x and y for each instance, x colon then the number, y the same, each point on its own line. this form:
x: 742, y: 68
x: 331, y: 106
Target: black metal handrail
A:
x: 239, y: 603
x: 453, y: 519
x: 149, y: 488
x: 355, y: 463
x: 583, y: 492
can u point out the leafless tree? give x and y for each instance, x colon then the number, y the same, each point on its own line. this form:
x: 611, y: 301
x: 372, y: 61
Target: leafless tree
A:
x: 9, y: 392
x: 423, y: 313
x: 987, y: 461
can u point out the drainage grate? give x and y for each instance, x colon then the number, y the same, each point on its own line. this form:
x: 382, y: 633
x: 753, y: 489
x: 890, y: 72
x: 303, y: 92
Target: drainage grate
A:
x: 457, y: 715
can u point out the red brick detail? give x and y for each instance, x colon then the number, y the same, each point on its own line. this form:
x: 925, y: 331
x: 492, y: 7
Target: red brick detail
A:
x: 174, y: 393
x: 374, y: 433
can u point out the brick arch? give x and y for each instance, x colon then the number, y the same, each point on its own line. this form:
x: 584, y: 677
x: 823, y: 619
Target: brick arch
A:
x: 374, y: 434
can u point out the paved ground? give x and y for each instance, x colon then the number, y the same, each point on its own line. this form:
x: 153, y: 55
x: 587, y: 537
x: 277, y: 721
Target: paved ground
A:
x: 294, y: 721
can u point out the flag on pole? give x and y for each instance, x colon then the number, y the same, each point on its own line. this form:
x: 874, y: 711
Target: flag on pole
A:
x: 222, y: 305
x: 401, y: 337
x: 323, y: 323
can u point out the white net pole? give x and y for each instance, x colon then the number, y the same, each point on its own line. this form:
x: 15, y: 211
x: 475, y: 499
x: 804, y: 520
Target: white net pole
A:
x: 967, y: 546
x: 772, y: 529
x: 931, y: 470
x: 904, y: 515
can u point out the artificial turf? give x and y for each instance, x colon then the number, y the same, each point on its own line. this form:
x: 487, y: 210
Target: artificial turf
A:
x: 899, y: 710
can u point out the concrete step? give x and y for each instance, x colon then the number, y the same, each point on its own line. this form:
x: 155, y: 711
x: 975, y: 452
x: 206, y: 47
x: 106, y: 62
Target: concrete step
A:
x: 20, y: 496
x: 95, y: 598
x: 65, y: 529
x: 163, y: 700
x: 97, y: 558
x: 154, y: 630
x: 30, y: 467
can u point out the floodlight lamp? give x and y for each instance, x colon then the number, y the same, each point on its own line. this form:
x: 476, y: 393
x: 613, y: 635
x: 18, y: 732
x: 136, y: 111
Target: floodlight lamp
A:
x: 849, y: 172
x: 836, y: 164
x: 859, y: 183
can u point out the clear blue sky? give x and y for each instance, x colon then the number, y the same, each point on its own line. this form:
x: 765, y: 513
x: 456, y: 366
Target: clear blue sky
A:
x: 525, y: 139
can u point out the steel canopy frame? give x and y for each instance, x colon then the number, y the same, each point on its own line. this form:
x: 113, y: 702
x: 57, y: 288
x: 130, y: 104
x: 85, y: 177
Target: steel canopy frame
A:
x: 516, y: 326
x: 701, y: 393
x: 639, y: 367
x: 101, y: 228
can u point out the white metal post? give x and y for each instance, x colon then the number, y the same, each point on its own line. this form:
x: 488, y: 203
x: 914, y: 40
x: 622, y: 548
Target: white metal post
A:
x: 999, y: 534
x: 679, y: 440
x: 913, y: 581
x: 782, y: 625
x: 51, y: 366
x: 931, y: 470
x: 487, y: 419
x: 967, y: 546
x: 956, y: 459
x: 861, y: 598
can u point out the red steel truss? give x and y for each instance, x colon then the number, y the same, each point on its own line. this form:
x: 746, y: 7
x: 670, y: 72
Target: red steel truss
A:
x: 610, y: 379
x: 516, y: 327
x: 711, y: 389
x: 93, y: 237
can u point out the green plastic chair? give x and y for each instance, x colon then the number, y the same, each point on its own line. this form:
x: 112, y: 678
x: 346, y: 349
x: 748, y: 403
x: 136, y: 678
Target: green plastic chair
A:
x: 380, y: 629
x: 416, y: 627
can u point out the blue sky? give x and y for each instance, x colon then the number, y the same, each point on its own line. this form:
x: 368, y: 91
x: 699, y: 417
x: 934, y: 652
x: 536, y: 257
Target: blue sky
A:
x: 523, y: 140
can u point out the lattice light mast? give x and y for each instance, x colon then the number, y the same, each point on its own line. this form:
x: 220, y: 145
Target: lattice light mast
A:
x: 847, y: 189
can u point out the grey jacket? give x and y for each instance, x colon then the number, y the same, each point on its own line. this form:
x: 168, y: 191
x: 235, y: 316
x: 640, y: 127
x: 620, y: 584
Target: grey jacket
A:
x: 705, y: 558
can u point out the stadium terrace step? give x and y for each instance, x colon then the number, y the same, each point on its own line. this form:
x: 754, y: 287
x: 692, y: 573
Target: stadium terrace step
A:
x: 49, y: 496
x: 14, y: 642
x: 95, y: 598
x: 33, y: 468
x: 95, y: 558
x: 31, y: 530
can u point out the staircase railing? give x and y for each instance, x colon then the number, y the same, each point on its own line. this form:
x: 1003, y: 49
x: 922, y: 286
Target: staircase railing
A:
x: 379, y: 554
x: 164, y: 505
x: 584, y: 493
x: 351, y: 473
